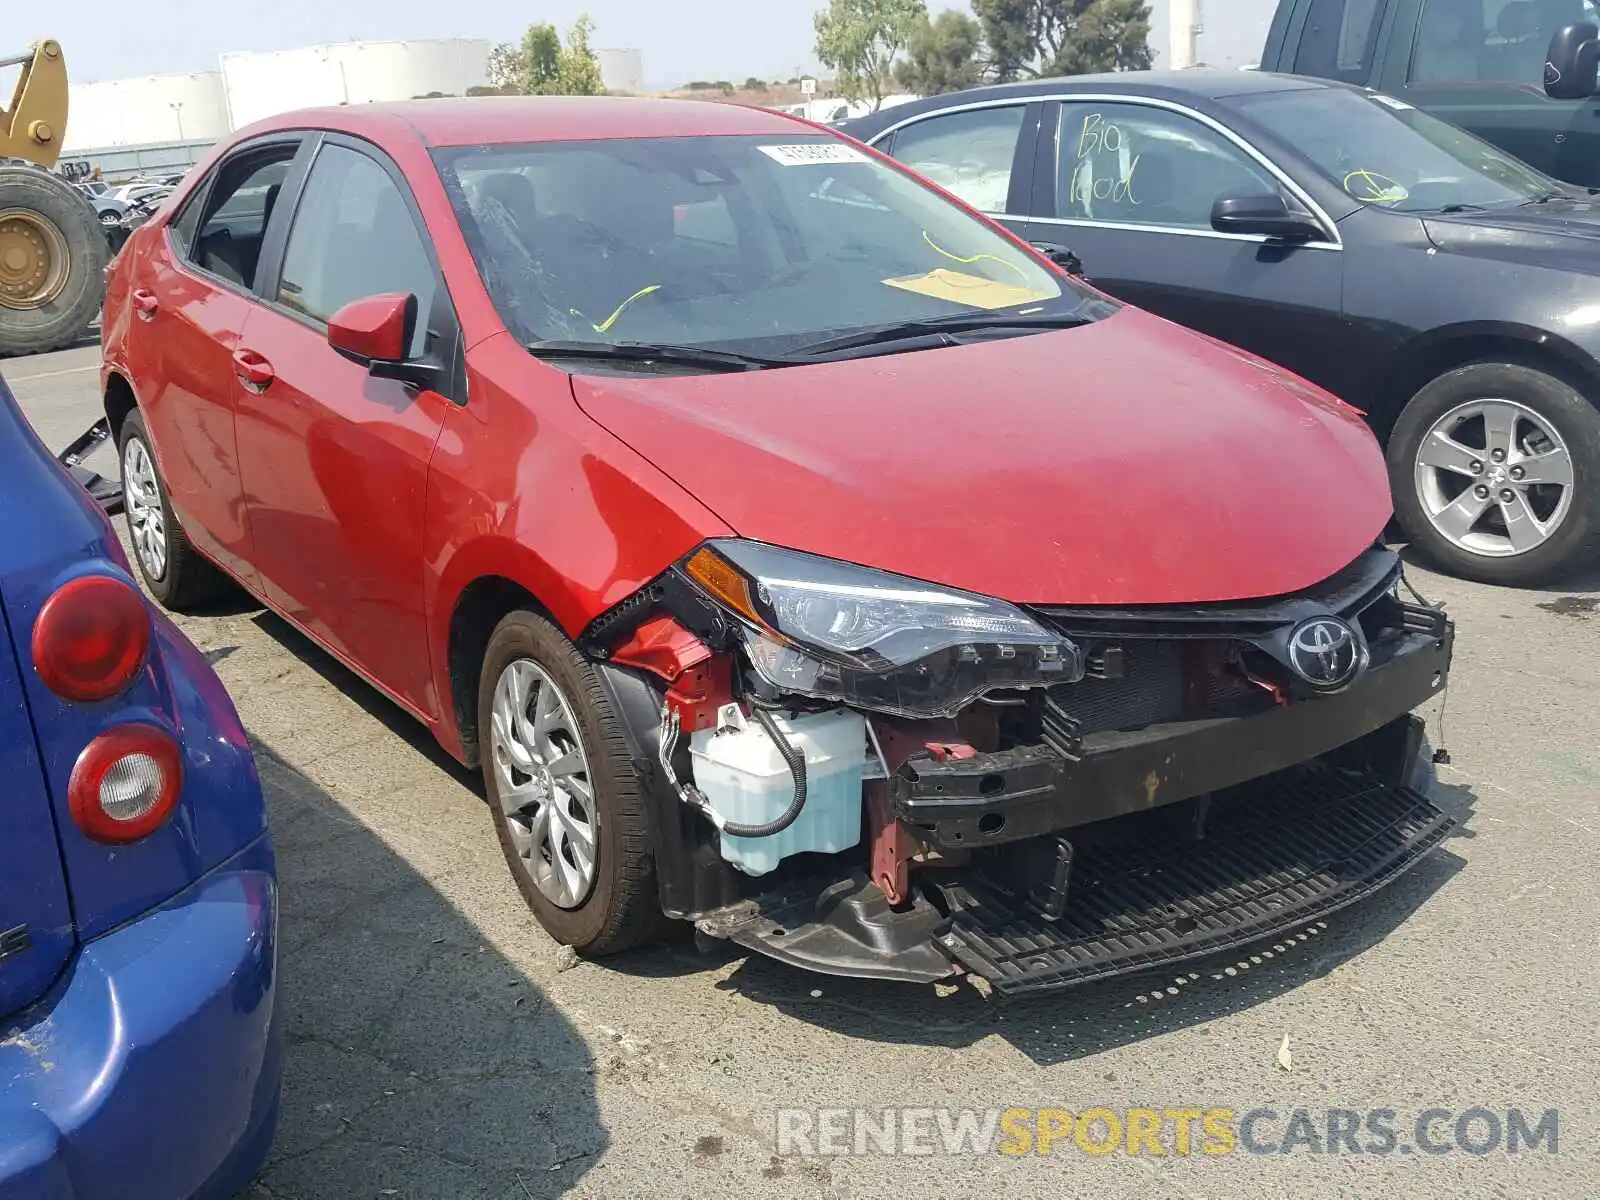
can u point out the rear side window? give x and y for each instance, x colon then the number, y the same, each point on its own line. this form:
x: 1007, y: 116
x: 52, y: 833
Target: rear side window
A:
x: 183, y: 228
x: 353, y: 237
x: 228, y: 241
x: 969, y: 154
x: 1340, y: 39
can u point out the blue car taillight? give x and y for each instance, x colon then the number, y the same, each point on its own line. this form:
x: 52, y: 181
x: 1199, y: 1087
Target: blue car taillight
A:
x: 125, y: 784
x: 91, y: 638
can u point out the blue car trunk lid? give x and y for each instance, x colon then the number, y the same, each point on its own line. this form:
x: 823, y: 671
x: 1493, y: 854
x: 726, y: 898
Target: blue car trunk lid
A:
x: 36, y: 930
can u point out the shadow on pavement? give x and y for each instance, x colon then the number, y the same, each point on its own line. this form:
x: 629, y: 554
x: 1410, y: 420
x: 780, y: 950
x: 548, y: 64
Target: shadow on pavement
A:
x: 419, y: 1061
x: 1063, y: 1026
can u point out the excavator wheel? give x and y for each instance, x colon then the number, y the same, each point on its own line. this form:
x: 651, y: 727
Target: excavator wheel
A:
x: 52, y: 262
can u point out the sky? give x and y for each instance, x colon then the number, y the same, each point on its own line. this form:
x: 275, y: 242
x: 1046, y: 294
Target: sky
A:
x: 681, y: 39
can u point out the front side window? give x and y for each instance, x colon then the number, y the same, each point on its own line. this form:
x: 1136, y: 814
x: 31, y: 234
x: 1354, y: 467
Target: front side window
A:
x: 744, y: 243
x: 228, y: 241
x: 1129, y: 164
x: 968, y: 154
x: 353, y: 237
x: 1387, y: 153
x: 1491, y: 41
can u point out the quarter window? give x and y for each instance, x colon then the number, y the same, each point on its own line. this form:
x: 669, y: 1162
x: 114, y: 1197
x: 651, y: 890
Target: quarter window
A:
x: 353, y: 236
x: 969, y: 154
x: 1133, y: 165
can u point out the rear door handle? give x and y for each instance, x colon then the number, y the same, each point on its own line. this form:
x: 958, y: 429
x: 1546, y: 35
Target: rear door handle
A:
x: 254, y: 371
x: 145, y: 303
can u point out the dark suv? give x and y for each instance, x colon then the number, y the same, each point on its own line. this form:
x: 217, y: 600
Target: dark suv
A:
x: 1518, y: 73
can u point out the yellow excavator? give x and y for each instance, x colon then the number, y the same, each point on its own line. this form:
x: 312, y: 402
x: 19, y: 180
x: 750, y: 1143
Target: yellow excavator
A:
x: 53, y: 251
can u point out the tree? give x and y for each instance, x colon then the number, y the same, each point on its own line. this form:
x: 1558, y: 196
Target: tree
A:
x: 505, y: 68
x: 580, y: 70
x: 540, y: 73
x: 1035, y: 38
x: 860, y: 40
x: 942, y: 55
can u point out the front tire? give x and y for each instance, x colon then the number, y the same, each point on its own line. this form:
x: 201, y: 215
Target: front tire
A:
x: 173, y: 571
x: 567, y: 804
x: 1495, y: 470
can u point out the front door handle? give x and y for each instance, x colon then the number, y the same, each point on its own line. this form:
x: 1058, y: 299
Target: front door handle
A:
x: 145, y: 303
x: 1061, y: 256
x: 254, y: 371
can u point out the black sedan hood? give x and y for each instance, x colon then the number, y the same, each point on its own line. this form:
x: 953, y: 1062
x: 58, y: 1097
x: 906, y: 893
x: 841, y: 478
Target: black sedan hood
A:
x: 1563, y: 234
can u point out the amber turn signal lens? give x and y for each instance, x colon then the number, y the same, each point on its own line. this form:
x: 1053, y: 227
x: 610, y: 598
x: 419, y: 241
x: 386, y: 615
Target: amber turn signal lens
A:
x: 723, y: 582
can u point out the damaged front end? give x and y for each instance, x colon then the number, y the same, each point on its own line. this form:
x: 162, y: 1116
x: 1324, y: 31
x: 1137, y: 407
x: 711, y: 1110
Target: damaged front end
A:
x: 872, y: 776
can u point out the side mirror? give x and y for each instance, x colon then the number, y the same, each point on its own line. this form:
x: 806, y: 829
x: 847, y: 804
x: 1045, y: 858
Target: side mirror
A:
x: 1061, y: 255
x: 376, y: 331
x: 1572, y: 64
x: 1264, y: 216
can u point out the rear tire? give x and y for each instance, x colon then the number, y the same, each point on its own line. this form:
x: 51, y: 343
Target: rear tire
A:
x: 172, y: 569
x: 1541, y: 416
x: 63, y: 318
x: 617, y: 906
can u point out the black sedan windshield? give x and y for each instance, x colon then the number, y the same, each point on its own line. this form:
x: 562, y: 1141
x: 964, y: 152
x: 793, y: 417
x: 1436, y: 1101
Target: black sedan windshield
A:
x: 1384, y: 152
x: 754, y: 244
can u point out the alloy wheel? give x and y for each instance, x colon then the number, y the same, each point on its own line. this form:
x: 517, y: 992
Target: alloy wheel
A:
x: 545, y: 787
x: 1494, y: 478
x: 141, y: 498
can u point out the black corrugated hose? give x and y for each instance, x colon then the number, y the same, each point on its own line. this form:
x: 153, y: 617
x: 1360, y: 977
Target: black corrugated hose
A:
x: 797, y: 768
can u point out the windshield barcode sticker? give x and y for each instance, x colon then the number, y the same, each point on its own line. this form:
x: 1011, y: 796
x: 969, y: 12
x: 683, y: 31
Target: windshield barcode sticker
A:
x: 813, y: 153
x: 1391, y: 102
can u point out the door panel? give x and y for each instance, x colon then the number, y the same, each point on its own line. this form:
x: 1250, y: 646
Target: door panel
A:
x: 1133, y: 190
x: 181, y: 346
x: 334, y: 461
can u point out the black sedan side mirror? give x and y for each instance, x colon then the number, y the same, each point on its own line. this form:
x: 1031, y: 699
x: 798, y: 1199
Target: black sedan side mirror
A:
x: 1572, y: 64
x: 1263, y: 216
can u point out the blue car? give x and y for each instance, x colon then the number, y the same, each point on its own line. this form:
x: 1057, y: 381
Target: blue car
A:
x: 140, y: 1040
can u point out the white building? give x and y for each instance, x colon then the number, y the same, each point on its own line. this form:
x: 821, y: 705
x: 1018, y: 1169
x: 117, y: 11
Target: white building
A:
x: 142, y: 112
x: 621, y: 70
x: 263, y: 85
x: 1212, y: 33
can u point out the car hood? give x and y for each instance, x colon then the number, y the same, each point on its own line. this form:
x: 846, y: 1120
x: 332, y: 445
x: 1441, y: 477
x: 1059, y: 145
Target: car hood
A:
x: 1562, y: 234
x: 1124, y: 462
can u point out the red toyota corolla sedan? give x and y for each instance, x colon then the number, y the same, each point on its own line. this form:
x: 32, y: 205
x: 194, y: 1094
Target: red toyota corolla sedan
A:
x: 798, y: 553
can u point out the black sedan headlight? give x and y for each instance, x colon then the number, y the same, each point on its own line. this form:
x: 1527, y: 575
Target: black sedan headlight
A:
x: 835, y: 631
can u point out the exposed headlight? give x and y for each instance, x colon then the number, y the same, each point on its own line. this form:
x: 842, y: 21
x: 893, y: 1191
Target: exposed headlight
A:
x: 819, y: 627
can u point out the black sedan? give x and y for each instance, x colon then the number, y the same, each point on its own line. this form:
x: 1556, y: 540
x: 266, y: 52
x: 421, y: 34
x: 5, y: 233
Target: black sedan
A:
x: 1448, y: 290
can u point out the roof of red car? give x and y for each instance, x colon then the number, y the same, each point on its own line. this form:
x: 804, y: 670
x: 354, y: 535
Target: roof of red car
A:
x: 490, y: 120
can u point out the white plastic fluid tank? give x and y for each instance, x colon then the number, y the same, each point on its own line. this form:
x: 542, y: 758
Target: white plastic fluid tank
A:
x: 746, y: 780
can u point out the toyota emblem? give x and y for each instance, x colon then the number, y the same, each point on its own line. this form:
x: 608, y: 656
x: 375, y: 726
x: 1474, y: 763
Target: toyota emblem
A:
x: 1327, y: 653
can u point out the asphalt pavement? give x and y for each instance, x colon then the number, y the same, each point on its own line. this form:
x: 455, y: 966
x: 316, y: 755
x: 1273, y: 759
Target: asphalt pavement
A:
x: 440, y: 1046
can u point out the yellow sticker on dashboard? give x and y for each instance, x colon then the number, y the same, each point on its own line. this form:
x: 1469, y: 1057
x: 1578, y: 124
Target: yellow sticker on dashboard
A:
x: 958, y: 287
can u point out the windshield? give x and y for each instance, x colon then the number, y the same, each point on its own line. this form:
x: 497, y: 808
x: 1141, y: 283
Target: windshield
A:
x: 750, y: 244
x: 1383, y: 151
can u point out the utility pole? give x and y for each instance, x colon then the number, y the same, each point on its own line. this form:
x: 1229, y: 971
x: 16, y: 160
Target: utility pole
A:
x: 1184, y: 33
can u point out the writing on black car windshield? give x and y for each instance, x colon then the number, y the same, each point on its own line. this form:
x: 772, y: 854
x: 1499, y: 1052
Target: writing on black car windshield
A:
x: 743, y: 244
x: 1385, y: 152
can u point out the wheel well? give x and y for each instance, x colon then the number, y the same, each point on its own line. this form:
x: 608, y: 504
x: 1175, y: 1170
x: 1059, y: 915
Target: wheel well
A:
x: 482, y: 605
x: 119, y: 403
x: 1427, y: 363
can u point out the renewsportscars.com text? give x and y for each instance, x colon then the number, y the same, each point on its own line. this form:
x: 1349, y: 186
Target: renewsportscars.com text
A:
x: 1157, y: 1132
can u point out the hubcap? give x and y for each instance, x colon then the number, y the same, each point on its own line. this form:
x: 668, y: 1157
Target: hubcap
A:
x: 141, y: 499
x: 1495, y: 478
x: 33, y: 259
x: 542, y: 776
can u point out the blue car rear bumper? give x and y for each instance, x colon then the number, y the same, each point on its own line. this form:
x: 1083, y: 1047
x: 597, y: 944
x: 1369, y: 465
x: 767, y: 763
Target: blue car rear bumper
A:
x: 152, y: 1069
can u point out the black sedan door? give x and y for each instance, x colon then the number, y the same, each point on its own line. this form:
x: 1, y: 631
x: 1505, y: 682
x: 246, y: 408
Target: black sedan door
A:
x: 1128, y: 185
